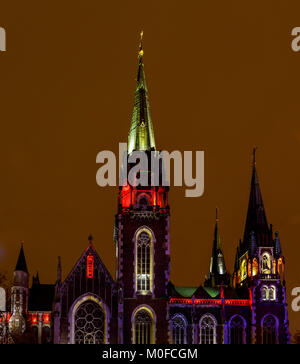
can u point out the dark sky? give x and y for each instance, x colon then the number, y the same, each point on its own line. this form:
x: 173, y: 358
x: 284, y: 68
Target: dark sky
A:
x: 221, y: 77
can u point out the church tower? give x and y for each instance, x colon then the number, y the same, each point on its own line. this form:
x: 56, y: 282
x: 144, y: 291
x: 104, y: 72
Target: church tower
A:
x: 259, y: 267
x: 142, y: 236
x: 19, y: 296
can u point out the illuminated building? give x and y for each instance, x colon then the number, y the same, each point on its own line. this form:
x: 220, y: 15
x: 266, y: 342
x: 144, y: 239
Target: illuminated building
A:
x: 141, y: 305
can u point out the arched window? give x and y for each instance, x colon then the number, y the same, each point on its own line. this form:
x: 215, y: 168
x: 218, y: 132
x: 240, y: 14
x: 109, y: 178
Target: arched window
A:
x: 255, y: 267
x: 266, y: 264
x: 143, y: 327
x: 265, y: 293
x: 89, y: 324
x: 208, y: 330
x: 272, y: 293
x: 237, y: 330
x: 143, y: 200
x: 179, y: 329
x: 144, y: 262
x: 244, y: 269
x: 269, y: 330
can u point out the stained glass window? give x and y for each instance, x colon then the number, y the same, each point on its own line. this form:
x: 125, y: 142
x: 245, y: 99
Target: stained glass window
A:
x: 143, y: 262
x: 143, y: 327
x: 269, y: 330
x: 237, y: 330
x: 207, y: 330
x: 89, y: 324
x: 179, y: 330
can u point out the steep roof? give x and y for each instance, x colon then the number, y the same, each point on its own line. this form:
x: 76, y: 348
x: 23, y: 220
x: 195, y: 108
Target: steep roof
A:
x: 21, y: 263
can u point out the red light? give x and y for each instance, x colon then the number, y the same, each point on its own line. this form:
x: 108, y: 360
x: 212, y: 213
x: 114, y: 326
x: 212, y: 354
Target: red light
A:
x: 90, y: 266
x: 205, y: 301
x: 126, y: 196
x: 46, y: 318
x: 34, y: 319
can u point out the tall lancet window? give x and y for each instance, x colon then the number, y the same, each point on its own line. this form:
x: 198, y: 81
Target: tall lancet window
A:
x: 237, y: 330
x: 208, y: 330
x: 269, y: 330
x: 144, y: 262
x: 143, y: 327
x: 179, y: 329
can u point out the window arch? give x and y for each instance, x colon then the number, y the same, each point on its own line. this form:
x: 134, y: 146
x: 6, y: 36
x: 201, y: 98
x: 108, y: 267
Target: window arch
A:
x: 144, y: 262
x: 265, y: 293
x: 143, y: 326
x: 89, y: 323
x: 272, y: 293
x: 269, y: 329
x: 143, y: 200
x: 208, y: 325
x: 268, y: 293
x: 237, y: 328
x: 266, y: 264
x: 179, y: 329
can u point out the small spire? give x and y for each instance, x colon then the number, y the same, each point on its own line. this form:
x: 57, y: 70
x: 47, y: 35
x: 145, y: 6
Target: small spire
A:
x: 217, y: 214
x: 90, y: 239
x: 278, y: 250
x: 58, y: 269
x: 21, y: 263
x: 254, y: 156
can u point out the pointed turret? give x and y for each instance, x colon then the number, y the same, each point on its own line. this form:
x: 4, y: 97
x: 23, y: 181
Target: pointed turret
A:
x: 256, y: 217
x: 21, y: 263
x: 278, y: 251
x: 141, y: 135
x: 58, y: 269
x: 217, y: 269
x: 36, y: 279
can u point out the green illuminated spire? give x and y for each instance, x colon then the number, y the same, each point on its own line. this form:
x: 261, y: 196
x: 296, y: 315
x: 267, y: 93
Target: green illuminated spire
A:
x: 217, y: 269
x: 141, y: 135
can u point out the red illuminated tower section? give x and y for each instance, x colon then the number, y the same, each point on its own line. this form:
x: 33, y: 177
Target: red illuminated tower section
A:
x: 142, y: 239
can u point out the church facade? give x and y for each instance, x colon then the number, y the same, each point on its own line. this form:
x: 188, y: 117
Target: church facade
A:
x: 141, y: 305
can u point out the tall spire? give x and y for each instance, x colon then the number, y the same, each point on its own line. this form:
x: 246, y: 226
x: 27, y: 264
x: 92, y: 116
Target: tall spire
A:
x: 21, y: 263
x: 256, y: 217
x: 141, y: 135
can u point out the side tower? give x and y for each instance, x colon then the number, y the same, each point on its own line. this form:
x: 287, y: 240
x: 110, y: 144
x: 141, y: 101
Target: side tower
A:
x: 142, y: 237
x: 259, y: 266
x: 19, y: 296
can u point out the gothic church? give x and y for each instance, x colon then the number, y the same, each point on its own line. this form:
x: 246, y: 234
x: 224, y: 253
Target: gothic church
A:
x: 141, y: 305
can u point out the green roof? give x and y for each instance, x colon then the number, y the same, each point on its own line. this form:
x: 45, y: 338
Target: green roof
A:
x: 186, y: 291
x: 213, y: 292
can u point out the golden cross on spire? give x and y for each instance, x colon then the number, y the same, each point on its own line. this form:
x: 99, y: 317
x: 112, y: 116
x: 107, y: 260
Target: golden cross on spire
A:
x: 141, y: 51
